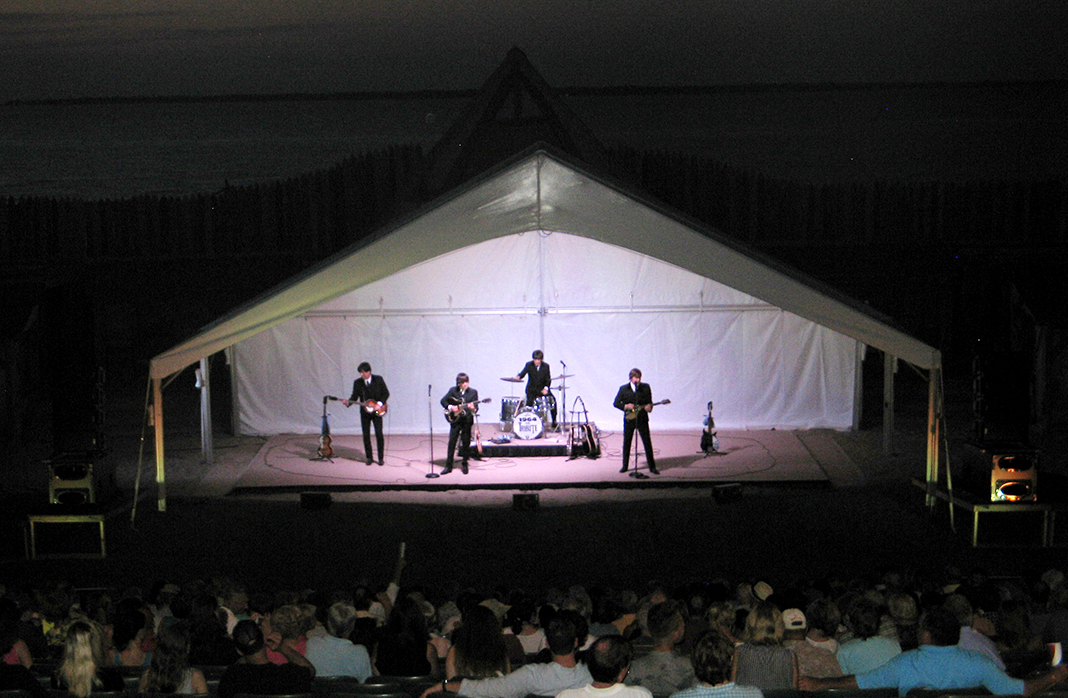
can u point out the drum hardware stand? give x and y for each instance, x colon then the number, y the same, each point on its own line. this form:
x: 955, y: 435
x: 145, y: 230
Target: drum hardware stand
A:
x: 430, y: 415
x: 563, y: 397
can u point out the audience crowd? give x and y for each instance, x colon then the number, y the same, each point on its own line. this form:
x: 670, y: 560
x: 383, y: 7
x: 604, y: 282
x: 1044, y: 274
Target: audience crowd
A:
x: 713, y: 639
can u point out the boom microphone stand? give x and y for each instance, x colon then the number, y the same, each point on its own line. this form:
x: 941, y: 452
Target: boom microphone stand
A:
x: 430, y: 416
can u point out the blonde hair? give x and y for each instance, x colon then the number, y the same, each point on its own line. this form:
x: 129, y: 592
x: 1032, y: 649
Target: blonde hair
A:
x: 288, y: 621
x: 764, y: 626
x: 83, y: 653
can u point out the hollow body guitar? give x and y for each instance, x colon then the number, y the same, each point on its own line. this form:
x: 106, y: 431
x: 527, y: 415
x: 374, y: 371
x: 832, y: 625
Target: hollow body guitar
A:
x: 455, y: 413
x: 371, y: 406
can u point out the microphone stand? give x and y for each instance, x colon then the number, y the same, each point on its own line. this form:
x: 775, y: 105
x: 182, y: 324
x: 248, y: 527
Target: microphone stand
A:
x: 563, y: 396
x: 430, y: 416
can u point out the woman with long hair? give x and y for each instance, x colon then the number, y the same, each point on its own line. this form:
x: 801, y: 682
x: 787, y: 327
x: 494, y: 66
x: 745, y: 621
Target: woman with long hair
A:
x: 404, y: 647
x: 478, y: 650
x: 82, y: 670
x: 169, y: 671
x: 762, y: 660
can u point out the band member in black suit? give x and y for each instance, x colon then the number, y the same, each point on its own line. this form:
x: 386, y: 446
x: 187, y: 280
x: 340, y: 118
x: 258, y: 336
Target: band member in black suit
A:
x: 371, y: 393
x: 637, y: 398
x: 462, y: 403
x: 538, y: 382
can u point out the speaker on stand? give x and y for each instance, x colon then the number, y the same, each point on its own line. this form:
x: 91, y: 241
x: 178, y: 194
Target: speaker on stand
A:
x: 71, y: 482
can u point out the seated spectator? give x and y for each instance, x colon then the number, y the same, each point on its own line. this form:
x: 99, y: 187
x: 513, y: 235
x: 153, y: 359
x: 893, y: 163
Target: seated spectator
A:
x: 404, y: 647
x: 905, y: 613
x: 335, y: 654
x: 761, y: 660
x: 233, y: 604
x: 712, y: 659
x: 128, y: 635
x: 939, y: 663
x: 608, y: 660
x: 288, y: 625
x: 17, y: 677
x: 721, y: 616
x: 563, y: 672
x: 13, y: 649
x: 209, y: 643
x: 254, y: 673
x: 663, y: 671
x: 811, y: 660
x: 868, y: 649
x: 478, y: 650
x: 82, y: 670
x: 970, y: 638
x: 169, y: 670
x: 823, y: 619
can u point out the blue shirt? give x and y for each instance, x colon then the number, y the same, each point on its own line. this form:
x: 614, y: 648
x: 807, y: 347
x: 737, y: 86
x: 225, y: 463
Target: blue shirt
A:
x: 931, y: 666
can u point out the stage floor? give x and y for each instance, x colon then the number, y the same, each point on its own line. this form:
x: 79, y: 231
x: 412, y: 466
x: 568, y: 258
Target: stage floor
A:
x: 288, y: 463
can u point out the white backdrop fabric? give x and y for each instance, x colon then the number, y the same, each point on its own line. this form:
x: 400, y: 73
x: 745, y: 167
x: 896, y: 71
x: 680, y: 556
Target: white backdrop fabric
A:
x: 600, y: 308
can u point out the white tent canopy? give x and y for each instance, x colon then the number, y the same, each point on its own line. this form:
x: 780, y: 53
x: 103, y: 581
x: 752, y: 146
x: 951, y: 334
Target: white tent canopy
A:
x: 544, y: 255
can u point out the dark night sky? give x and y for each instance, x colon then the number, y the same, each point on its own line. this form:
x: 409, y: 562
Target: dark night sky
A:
x: 106, y: 48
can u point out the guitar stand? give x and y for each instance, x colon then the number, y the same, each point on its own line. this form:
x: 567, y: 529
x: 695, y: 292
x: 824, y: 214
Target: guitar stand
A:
x: 324, y: 436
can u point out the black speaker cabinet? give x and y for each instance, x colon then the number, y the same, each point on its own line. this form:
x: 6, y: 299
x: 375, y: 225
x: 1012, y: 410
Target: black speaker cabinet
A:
x: 1013, y: 475
x: 70, y: 481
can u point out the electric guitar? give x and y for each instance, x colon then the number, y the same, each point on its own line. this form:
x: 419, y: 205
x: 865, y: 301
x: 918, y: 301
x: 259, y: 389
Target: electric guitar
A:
x: 633, y: 413
x: 456, y: 412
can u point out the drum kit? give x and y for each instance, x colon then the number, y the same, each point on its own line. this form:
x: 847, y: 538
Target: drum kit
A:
x: 531, y: 421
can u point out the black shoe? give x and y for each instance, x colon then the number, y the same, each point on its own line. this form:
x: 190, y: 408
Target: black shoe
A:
x: 653, y: 470
x: 381, y: 461
x: 463, y: 467
x: 447, y: 470
x: 623, y: 469
x: 368, y: 461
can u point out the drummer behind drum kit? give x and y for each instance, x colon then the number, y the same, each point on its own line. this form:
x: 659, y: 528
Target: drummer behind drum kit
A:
x: 528, y: 421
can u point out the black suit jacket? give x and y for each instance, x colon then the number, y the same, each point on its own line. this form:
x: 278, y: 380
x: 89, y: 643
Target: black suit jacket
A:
x: 376, y: 391
x: 453, y: 398
x: 538, y: 377
x: 627, y: 395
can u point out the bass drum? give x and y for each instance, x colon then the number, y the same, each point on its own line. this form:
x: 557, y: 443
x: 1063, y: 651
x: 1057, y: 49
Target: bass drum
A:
x: 527, y: 424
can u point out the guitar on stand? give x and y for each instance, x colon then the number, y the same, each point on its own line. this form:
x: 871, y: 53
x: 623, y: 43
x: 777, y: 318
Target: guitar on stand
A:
x: 325, y: 451
x: 709, y: 438
x: 583, y: 439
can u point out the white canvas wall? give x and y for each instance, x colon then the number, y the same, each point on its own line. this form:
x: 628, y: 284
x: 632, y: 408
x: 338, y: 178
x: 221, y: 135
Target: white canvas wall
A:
x: 603, y: 309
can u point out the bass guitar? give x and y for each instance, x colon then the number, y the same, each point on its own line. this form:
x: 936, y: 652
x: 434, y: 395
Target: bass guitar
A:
x: 371, y: 406
x: 456, y: 412
x: 633, y: 413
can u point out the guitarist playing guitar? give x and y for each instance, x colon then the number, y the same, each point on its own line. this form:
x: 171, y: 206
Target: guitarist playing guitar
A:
x: 461, y: 404
x: 636, y: 400
x: 370, y: 392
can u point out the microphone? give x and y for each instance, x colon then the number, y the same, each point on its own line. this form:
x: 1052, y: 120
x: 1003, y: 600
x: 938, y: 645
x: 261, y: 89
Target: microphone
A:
x: 330, y: 397
x: 562, y: 363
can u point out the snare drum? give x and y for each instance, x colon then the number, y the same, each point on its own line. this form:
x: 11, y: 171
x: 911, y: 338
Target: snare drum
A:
x: 527, y: 424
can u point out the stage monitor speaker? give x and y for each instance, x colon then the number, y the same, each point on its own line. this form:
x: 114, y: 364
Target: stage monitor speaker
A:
x: 525, y: 502
x: 70, y: 481
x: 1014, y: 476
x: 315, y: 501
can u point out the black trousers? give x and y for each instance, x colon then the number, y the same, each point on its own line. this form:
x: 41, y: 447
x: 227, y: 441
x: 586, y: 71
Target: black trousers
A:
x: 641, y: 424
x: 366, y: 420
x: 459, y: 432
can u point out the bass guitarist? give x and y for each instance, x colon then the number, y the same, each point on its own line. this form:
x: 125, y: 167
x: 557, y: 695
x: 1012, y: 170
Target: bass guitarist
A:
x: 461, y: 404
x: 636, y: 400
x: 371, y: 394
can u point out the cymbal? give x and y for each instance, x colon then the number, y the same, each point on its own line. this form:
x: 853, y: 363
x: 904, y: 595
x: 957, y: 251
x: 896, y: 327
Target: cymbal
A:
x: 512, y: 379
x: 563, y: 376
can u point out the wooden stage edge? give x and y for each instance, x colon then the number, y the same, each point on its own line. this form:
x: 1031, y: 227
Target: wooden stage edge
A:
x: 286, y: 464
